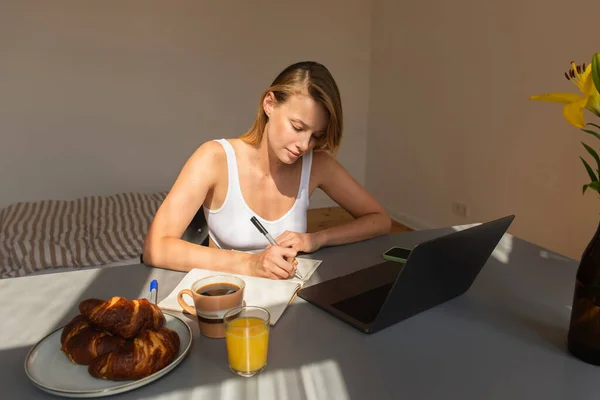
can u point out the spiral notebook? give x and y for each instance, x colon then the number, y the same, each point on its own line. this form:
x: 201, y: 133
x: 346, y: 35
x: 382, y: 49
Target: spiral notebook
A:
x: 271, y: 294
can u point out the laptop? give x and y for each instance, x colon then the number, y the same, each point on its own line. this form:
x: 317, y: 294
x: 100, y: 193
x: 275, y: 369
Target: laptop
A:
x: 436, y: 271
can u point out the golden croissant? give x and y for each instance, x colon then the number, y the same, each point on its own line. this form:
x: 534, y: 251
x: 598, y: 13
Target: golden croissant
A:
x: 151, y: 351
x: 123, y: 317
x: 82, y: 342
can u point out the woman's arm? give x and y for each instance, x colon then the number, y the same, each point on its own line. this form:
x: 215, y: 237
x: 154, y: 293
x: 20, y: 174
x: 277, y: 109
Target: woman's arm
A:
x: 163, y: 246
x: 371, y: 219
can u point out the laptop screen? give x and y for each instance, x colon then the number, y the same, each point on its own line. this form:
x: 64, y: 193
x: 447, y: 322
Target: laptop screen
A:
x: 359, y: 296
x: 365, y: 306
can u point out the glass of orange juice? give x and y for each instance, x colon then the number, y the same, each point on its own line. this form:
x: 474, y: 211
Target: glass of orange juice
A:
x: 247, y: 338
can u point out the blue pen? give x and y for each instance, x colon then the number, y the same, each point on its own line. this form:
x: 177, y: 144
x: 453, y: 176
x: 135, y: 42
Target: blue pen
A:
x: 153, y: 291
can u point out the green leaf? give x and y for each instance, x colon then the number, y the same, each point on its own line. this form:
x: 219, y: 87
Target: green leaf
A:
x: 594, y: 186
x: 594, y: 154
x: 592, y: 133
x: 596, y: 70
x: 597, y: 126
x: 590, y: 171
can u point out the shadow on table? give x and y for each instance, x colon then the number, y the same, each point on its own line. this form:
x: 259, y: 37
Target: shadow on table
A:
x: 528, y: 296
x: 304, y: 361
x: 312, y: 353
x: 123, y: 281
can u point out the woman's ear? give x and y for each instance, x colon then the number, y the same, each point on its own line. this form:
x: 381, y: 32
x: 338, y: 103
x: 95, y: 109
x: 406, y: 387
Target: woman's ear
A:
x: 269, y: 103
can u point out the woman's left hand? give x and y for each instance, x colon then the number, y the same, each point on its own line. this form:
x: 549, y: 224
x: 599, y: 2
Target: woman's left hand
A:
x: 304, y: 242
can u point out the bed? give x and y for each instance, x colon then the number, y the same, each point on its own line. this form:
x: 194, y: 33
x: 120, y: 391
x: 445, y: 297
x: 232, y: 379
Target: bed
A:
x: 88, y: 232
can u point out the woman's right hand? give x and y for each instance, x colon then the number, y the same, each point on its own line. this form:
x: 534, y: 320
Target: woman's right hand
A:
x: 273, y: 263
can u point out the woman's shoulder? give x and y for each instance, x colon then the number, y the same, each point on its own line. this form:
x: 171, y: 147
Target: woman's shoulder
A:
x: 322, y: 159
x: 240, y: 146
x: 323, y: 166
x: 209, y: 153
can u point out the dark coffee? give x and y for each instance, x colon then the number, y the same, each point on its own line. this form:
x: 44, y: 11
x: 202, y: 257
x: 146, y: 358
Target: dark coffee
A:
x: 217, y: 289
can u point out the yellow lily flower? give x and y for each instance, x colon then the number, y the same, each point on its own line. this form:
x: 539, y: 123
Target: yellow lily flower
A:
x: 573, y: 110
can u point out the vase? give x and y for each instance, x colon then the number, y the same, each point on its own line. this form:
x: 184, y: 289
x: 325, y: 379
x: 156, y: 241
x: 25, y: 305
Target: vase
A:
x: 584, y: 327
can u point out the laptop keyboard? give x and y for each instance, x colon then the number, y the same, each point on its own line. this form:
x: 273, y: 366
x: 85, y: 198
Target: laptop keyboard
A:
x: 365, y: 306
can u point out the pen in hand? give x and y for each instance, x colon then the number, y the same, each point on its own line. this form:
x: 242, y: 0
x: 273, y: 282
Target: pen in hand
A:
x: 266, y: 233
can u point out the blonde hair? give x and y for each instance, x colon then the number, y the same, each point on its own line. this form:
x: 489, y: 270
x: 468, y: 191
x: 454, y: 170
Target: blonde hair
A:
x: 306, y: 77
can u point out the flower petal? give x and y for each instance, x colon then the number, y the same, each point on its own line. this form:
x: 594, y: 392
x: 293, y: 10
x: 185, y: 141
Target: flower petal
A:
x: 573, y: 113
x: 564, y: 98
x: 593, y: 104
x: 586, y: 83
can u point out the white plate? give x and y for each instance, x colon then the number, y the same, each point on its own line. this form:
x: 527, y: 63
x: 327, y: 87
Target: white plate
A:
x: 50, y: 369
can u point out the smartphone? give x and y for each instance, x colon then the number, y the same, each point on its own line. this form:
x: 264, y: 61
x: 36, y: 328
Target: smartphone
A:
x: 398, y: 254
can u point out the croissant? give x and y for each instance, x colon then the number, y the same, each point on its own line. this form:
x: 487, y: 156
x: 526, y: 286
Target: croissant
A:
x: 149, y: 352
x: 123, y: 317
x: 82, y: 342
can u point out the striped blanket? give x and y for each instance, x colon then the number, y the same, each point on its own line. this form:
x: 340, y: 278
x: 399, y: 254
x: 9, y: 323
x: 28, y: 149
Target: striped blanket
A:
x: 87, y: 231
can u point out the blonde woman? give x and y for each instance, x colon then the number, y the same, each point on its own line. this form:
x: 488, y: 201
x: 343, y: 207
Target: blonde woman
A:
x: 269, y: 172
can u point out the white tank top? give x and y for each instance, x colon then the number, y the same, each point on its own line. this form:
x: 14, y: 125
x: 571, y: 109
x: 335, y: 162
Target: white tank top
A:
x: 230, y: 227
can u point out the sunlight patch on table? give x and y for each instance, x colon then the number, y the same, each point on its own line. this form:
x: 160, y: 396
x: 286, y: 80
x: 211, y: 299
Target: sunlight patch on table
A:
x: 324, y: 381
x: 465, y: 226
x: 315, y: 381
x: 43, y: 304
x: 554, y: 256
x: 503, y: 249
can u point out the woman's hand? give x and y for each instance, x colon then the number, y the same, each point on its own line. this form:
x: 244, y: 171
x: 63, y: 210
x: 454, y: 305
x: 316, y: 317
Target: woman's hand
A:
x: 273, y: 263
x: 305, y: 242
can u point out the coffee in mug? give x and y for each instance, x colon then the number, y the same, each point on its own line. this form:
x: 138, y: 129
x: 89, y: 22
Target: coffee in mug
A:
x: 217, y: 289
x: 213, y: 297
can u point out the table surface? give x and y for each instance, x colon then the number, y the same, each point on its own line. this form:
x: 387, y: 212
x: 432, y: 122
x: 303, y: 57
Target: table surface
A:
x: 505, y: 338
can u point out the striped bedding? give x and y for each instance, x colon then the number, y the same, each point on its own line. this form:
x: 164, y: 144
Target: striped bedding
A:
x: 88, y: 231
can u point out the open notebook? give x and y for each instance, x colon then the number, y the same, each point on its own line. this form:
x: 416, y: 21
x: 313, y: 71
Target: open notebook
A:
x: 271, y: 294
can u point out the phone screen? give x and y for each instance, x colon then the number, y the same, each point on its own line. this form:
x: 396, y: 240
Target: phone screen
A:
x: 398, y: 252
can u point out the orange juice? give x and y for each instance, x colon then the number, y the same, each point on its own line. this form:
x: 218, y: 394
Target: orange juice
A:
x: 247, y: 344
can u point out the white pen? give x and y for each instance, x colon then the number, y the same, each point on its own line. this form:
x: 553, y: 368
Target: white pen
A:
x: 265, y: 232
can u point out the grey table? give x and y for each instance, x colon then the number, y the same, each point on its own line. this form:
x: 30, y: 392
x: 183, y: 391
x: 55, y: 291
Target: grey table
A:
x: 503, y: 339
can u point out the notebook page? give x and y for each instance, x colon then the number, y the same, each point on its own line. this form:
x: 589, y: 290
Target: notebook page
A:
x: 306, y: 267
x: 273, y: 295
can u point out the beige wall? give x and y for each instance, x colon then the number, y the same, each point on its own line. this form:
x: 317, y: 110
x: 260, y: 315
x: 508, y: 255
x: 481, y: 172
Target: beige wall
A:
x: 103, y: 97
x: 109, y: 96
x: 450, y: 121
